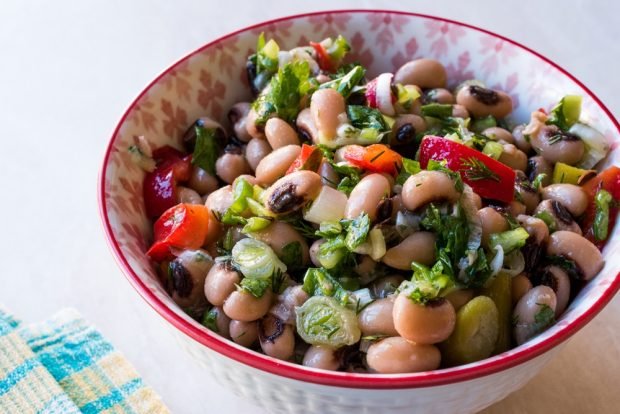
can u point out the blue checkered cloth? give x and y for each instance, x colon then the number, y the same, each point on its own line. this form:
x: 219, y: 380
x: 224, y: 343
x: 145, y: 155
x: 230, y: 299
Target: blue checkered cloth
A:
x: 63, y: 365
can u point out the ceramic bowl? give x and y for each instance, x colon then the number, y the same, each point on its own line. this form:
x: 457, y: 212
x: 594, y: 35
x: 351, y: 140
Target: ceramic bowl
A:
x: 211, y: 79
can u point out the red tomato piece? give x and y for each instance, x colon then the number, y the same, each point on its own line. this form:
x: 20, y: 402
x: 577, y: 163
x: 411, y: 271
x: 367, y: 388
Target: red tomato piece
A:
x: 608, y: 180
x: 160, y: 186
x: 376, y: 158
x: 324, y: 60
x: 487, y: 177
x: 183, y: 226
x: 309, y: 158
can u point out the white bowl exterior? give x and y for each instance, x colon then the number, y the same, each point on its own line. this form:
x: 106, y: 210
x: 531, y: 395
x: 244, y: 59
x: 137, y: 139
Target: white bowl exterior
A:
x: 211, y: 80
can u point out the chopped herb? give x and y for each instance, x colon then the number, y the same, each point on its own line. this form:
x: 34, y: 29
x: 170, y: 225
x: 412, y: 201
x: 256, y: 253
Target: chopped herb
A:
x: 543, y: 318
x: 283, y: 98
x: 256, y: 287
x: 537, y: 183
x: 441, y: 166
x: 209, y: 319
x: 346, y: 83
x: 206, y: 149
x: 362, y: 117
x: 277, y: 281
x: 318, y: 282
x: 225, y: 245
x: 329, y: 229
x: 566, y: 112
x: 291, y: 255
x: 569, y: 266
x: 554, y: 139
x: 548, y: 219
x: 477, y: 170
x: 357, y: 231
x: 509, y: 240
x: 426, y: 283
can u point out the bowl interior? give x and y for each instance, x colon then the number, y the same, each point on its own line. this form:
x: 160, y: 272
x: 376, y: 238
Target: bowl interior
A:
x: 210, y: 80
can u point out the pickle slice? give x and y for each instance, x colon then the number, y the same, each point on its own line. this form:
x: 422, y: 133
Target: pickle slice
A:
x: 500, y: 290
x: 475, y: 334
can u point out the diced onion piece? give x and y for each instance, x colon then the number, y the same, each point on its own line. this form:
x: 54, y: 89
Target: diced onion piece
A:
x: 596, y: 144
x: 498, y: 261
x: 384, y: 94
x: 377, y: 243
x: 328, y: 206
x: 361, y: 298
x: 514, y: 263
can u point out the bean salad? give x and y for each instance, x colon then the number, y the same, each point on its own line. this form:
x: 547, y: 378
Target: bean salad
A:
x: 380, y: 225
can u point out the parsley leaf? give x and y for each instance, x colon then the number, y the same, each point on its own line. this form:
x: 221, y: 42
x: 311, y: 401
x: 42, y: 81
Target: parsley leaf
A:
x: 283, y: 98
x: 357, y: 231
x: 365, y: 117
x: 543, y: 318
x: 209, y: 319
x: 256, y: 287
x: 318, y: 282
x: 426, y: 283
x: 206, y: 149
x: 410, y: 167
x: 346, y: 83
x: 291, y: 255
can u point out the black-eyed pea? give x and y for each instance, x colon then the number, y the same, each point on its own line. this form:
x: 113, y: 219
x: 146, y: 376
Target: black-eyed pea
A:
x: 513, y: 157
x: 577, y: 248
x: 521, y: 284
x: 405, y: 129
x: 538, y: 165
x: 491, y: 222
x: 237, y: 115
x: 326, y: 106
x: 279, y: 133
x: 188, y: 196
x: 520, y: 140
x: 561, y: 217
x: 557, y: 279
x: 230, y: 166
x: 377, y: 319
x: 292, y: 192
x: 321, y: 357
x: 274, y: 165
x: 306, y: 126
x: 425, y: 73
x: 499, y: 134
x: 280, y: 234
x: 243, y: 306
x: 439, y: 95
x: 458, y: 298
x: 481, y: 102
x: 418, y: 247
x: 385, y: 286
x: 187, y: 275
x: 430, y: 323
x: 531, y: 310
x: 367, y: 195
x: 573, y: 197
x: 243, y: 333
x: 397, y: 355
x: 277, y: 339
x: 220, y: 282
x: 556, y: 145
x: 427, y: 186
x: 255, y: 151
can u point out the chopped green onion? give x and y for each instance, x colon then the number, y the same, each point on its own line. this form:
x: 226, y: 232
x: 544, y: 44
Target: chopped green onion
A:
x: 241, y: 191
x: 345, y: 84
x: 566, y: 112
x: 255, y: 287
x: 596, y: 144
x: 338, y: 48
x: 407, y: 94
x: 323, y: 321
x: 600, y: 226
x: 437, y: 110
x: 509, y: 240
x: 318, y: 282
x: 548, y: 219
x: 256, y: 224
x: 209, y: 319
x: 255, y: 259
x: 564, y: 173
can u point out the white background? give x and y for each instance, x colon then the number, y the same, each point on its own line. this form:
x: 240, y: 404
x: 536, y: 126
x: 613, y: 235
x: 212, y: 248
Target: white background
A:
x: 69, y: 69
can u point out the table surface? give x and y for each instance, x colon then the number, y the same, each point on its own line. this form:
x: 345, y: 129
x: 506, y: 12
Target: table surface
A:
x: 69, y: 69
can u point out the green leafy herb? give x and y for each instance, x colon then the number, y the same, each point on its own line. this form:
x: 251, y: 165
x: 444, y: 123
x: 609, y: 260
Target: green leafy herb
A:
x: 318, y: 282
x: 291, y: 255
x: 206, y: 149
x: 600, y: 226
x: 321, y: 320
x: 209, y: 319
x: 509, y: 240
x: 537, y: 183
x: 410, y: 167
x: 477, y: 273
x: 357, y: 231
x: 437, y: 110
x: 350, y: 176
x: 329, y: 229
x: 338, y: 49
x: 362, y: 117
x: 283, y: 98
x: 543, y: 318
x: 426, y: 283
x: 255, y: 259
x: 225, y: 244
x: 476, y: 170
x: 569, y: 266
x: 346, y: 83
x: 256, y: 287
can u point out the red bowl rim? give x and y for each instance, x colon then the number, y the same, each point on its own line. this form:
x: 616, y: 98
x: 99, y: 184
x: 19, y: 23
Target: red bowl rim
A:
x: 343, y: 379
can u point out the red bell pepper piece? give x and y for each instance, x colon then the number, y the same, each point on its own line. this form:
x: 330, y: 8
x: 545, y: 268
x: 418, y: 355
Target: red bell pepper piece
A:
x: 376, y: 158
x: 324, y: 60
x: 487, y: 177
x: 607, y: 180
x: 309, y: 158
x: 160, y: 185
x: 183, y: 226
